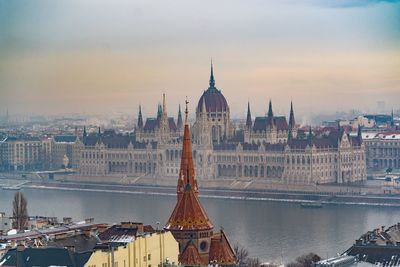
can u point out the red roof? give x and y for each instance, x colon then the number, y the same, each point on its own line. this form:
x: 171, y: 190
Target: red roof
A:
x: 221, y: 251
x: 188, y: 214
x: 191, y: 257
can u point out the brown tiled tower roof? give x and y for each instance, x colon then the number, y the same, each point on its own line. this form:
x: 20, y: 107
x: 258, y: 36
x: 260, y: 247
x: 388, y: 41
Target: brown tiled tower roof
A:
x: 220, y: 250
x: 188, y: 214
x: 191, y: 256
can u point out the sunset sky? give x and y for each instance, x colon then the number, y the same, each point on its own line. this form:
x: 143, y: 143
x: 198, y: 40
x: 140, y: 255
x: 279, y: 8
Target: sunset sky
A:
x: 96, y: 56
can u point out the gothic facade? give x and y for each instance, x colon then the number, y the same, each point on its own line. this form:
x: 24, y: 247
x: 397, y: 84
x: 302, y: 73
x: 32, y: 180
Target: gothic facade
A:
x: 267, y: 148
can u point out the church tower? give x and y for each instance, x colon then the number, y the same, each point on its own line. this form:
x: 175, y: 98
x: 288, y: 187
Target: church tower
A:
x: 189, y: 223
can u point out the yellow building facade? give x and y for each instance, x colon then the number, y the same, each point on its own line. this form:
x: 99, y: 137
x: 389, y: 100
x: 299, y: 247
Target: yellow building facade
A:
x: 149, y: 250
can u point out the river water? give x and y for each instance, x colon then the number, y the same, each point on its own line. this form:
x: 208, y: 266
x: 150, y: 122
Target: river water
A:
x: 272, y: 231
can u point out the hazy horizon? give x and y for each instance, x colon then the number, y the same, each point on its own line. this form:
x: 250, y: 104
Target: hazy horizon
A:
x: 61, y: 57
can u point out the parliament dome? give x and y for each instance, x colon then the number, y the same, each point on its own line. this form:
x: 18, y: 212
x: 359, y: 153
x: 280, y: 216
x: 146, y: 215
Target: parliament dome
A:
x: 214, y: 99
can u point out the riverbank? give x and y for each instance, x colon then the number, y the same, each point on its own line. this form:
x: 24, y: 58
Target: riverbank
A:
x: 249, y: 194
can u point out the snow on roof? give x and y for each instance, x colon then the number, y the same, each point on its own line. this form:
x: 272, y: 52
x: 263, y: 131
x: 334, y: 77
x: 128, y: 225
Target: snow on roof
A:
x: 381, y: 135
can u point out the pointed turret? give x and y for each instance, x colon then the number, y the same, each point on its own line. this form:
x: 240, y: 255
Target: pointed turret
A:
x: 84, y: 132
x: 187, y: 168
x: 164, y: 106
x: 249, y: 123
x: 140, y: 118
x: 189, y: 223
x: 188, y: 213
x: 270, y: 116
x: 270, y: 112
x: 179, y: 121
x: 159, y: 112
x: 292, y: 122
x: 212, y: 80
x: 392, y: 120
x: 99, y: 132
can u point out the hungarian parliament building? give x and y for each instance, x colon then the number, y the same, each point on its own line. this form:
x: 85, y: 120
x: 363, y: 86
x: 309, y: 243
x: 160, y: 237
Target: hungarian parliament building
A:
x: 269, y: 147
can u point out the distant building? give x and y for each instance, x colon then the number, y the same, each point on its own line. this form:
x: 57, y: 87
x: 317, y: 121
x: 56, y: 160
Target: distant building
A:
x: 382, y: 150
x: 270, y: 147
x: 21, y: 153
x: 62, y: 145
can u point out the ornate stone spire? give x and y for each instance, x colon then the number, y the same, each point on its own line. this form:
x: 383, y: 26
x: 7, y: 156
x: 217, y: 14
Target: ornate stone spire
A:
x: 84, y: 132
x: 249, y: 123
x: 359, y: 135
x: 140, y: 118
x: 179, y: 121
x: 164, y: 106
x: 188, y: 212
x: 212, y: 80
x: 292, y: 122
x: 189, y: 221
x: 159, y: 112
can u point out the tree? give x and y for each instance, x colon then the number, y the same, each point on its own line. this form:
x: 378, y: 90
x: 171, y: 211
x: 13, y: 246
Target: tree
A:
x: 243, y: 259
x: 305, y: 260
x: 20, y: 211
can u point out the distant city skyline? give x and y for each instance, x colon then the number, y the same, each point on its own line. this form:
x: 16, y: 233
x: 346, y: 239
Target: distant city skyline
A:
x: 99, y: 57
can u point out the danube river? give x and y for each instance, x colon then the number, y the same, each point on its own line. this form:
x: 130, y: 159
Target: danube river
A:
x: 271, y: 231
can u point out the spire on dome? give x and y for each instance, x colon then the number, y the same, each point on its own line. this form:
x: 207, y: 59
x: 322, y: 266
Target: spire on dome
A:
x: 179, y: 121
x: 248, y: 120
x: 212, y: 80
x: 292, y: 122
x: 270, y: 113
x: 140, y: 118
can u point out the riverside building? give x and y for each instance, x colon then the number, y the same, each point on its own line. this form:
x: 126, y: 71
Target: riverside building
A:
x: 266, y: 148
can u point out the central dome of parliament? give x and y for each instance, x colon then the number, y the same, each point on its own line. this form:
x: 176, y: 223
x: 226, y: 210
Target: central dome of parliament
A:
x: 214, y: 99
